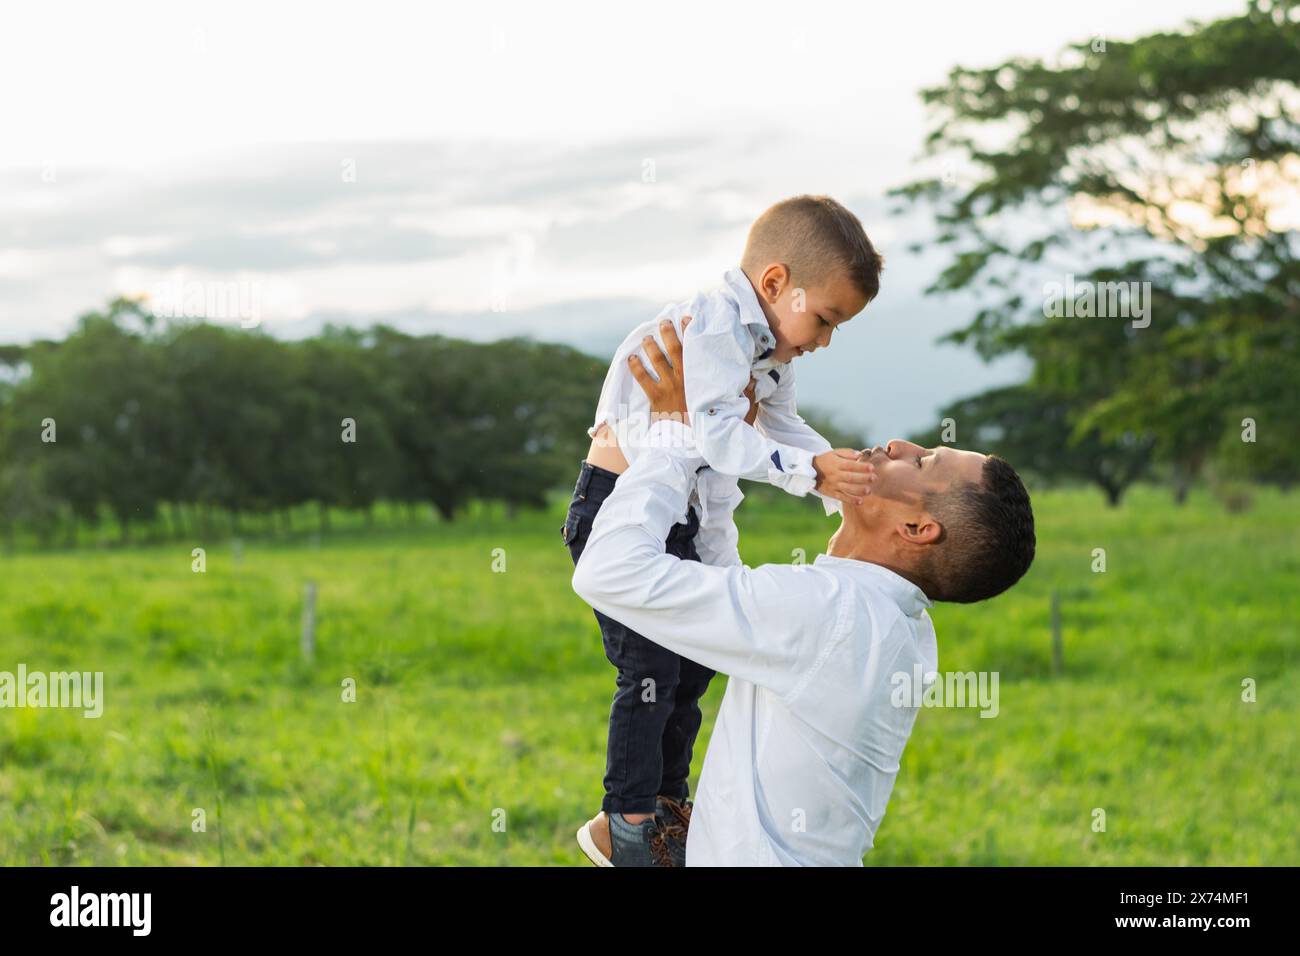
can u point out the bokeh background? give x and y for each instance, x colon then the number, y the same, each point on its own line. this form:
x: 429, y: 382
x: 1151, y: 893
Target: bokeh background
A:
x: 304, y: 311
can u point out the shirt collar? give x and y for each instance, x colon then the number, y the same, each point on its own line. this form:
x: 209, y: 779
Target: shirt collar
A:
x: 751, y: 313
x: 909, y: 598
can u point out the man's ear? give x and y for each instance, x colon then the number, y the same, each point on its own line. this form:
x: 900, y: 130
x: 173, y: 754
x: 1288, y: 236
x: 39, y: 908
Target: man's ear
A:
x: 925, y: 529
x: 773, y: 281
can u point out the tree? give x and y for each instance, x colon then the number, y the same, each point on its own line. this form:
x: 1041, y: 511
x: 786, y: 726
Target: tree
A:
x: 104, y: 392
x: 1034, y: 431
x: 1169, y: 163
x: 234, y: 421
x: 536, y: 402
x: 342, y: 465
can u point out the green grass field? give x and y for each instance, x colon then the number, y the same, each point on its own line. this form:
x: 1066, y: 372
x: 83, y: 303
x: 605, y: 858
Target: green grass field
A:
x: 478, y: 732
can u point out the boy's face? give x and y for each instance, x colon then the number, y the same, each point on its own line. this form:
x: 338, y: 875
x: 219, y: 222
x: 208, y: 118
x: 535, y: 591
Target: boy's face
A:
x: 804, y: 320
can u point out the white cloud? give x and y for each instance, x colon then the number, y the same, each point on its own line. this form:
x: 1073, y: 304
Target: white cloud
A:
x: 499, y: 152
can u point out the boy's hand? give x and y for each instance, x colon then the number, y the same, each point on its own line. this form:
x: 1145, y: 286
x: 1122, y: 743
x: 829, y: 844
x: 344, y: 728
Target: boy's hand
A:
x: 842, y: 474
x: 668, y: 395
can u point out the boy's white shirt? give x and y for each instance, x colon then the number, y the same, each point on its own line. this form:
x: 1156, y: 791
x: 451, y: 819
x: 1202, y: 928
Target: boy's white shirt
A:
x: 727, y: 342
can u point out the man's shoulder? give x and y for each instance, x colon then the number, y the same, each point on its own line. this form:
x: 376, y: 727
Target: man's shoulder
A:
x: 800, y: 584
x: 889, y: 598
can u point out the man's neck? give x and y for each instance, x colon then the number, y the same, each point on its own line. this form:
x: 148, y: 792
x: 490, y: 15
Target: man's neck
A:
x: 856, y: 542
x: 851, y: 541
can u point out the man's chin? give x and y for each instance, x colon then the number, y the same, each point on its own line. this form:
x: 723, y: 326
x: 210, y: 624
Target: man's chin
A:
x: 872, y: 504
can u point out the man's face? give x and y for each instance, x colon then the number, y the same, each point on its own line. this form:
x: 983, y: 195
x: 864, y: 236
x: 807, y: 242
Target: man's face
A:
x: 906, y: 473
x: 826, y: 307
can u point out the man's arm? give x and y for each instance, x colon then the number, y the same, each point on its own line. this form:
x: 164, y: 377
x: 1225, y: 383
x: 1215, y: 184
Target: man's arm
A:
x: 764, y: 625
x: 767, y: 625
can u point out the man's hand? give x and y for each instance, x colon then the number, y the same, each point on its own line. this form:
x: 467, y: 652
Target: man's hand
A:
x: 668, y: 395
x: 842, y: 474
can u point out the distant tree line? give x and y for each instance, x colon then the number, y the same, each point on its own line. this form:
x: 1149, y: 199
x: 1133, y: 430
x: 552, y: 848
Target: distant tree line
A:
x: 182, y: 424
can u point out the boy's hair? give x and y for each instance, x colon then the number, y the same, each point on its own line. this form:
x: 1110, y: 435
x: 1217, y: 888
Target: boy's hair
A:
x: 988, y: 539
x: 813, y: 236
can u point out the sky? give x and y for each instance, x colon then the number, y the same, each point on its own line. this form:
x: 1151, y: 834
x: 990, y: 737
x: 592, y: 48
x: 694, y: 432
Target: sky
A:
x: 560, y: 171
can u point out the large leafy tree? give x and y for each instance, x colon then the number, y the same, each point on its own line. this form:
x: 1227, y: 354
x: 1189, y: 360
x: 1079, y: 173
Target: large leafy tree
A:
x: 104, y: 399
x: 505, y: 421
x: 25, y: 501
x: 237, y: 418
x: 1031, y: 428
x: 534, y: 403
x: 345, y: 466
x: 1169, y: 160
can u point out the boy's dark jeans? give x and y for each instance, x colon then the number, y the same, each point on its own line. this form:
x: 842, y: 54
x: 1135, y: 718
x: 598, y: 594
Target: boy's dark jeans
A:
x: 652, y: 727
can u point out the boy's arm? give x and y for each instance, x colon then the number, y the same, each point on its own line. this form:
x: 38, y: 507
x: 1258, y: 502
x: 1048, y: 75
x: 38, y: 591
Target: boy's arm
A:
x: 779, y: 420
x: 765, y: 625
x: 717, y: 540
x: 717, y: 369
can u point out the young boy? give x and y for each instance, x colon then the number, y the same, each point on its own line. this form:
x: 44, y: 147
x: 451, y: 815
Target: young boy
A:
x: 808, y: 268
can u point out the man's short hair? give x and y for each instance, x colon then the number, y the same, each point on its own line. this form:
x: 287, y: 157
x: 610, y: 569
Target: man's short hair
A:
x: 988, y: 536
x: 813, y: 236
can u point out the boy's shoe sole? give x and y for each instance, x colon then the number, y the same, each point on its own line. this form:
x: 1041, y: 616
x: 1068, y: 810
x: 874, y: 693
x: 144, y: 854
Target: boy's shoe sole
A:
x: 592, y: 836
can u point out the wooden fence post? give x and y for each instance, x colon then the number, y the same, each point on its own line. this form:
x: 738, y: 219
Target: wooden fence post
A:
x: 1058, y: 650
x: 309, y: 623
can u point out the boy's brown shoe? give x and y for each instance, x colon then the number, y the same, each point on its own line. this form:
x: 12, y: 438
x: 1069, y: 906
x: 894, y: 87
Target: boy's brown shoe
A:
x: 609, y: 840
x: 674, y: 819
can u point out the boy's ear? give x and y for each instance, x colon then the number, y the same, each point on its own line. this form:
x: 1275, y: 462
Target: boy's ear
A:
x: 773, y: 281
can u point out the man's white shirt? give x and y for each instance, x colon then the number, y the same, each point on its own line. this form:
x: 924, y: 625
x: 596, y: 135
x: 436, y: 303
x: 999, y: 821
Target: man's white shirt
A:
x: 727, y: 342
x: 807, y: 742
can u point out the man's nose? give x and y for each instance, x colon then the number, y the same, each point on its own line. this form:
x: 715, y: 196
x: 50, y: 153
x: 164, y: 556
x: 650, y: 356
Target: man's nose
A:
x: 898, y: 447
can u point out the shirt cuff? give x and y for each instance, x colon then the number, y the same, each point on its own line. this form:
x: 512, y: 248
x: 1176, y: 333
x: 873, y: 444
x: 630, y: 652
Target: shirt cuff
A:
x: 832, y: 505
x: 793, y: 474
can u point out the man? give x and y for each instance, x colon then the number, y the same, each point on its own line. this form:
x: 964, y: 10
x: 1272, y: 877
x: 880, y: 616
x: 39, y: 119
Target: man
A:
x: 807, y: 742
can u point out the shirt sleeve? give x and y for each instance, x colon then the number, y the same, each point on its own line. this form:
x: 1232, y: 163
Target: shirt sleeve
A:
x: 717, y: 371
x: 717, y: 539
x: 779, y: 420
x: 767, y: 625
